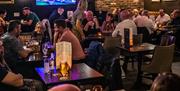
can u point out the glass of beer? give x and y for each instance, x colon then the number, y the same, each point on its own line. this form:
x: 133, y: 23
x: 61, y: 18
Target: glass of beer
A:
x: 64, y: 69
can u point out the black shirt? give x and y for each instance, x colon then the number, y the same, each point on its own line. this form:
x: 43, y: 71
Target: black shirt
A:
x: 91, y: 30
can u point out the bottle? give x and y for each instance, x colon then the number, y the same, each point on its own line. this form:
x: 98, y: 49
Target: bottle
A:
x: 46, y: 65
x: 51, y: 62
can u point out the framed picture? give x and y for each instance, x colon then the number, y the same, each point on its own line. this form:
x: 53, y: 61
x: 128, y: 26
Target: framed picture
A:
x: 6, y: 1
x: 155, y: 0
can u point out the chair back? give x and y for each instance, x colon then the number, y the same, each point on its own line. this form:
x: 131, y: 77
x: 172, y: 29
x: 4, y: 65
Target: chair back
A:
x: 145, y: 32
x: 111, y: 44
x: 167, y: 40
x: 162, y: 59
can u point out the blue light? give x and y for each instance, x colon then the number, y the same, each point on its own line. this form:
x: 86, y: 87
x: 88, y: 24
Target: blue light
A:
x: 55, y: 2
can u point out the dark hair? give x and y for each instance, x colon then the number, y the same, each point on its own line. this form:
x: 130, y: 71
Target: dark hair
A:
x: 26, y: 8
x: 69, y: 25
x: 166, y: 82
x: 2, y: 11
x: 60, y: 23
x: 109, y: 14
x: 12, y: 25
x: 145, y: 12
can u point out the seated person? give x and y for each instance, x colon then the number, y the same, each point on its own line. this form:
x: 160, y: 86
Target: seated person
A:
x: 57, y: 14
x: 175, y: 18
x: 14, y: 51
x: 145, y: 21
x: 166, y: 82
x: 42, y: 30
x: 64, y: 34
x: 90, y: 25
x: 30, y: 20
x: 10, y: 81
x: 38, y: 32
x: 126, y: 22
x: 108, y: 25
x: 65, y: 87
x: 162, y: 18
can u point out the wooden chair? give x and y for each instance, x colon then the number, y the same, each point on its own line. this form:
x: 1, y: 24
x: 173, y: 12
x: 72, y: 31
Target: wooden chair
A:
x: 165, y: 41
x: 161, y: 60
x: 111, y: 44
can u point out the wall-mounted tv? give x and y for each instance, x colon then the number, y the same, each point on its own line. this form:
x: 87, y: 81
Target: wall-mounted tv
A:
x: 55, y: 2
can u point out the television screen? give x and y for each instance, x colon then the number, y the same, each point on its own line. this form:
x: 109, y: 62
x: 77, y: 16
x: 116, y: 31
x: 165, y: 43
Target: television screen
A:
x: 55, y: 2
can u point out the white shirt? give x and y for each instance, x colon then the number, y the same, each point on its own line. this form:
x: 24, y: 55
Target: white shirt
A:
x: 144, y: 21
x: 163, y: 19
x: 136, y: 17
x: 119, y: 30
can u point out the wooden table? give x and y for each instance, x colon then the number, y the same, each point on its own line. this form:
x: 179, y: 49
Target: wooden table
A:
x: 79, y: 73
x: 140, y: 51
x: 89, y: 39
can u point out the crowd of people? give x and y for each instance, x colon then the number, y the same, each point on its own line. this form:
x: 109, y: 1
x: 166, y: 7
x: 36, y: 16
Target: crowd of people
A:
x: 73, y: 30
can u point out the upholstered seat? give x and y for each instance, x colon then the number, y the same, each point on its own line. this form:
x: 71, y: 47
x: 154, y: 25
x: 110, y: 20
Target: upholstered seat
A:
x: 161, y: 60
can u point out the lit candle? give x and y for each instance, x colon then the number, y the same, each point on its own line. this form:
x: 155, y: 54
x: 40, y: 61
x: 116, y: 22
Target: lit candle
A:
x: 131, y: 37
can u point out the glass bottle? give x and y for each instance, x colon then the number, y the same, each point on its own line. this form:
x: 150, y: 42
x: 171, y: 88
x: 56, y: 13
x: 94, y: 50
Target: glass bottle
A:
x: 51, y: 61
x: 46, y: 65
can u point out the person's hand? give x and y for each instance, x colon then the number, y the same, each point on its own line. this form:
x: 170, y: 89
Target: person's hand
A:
x: 20, y: 79
x: 91, y: 23
x: 67, y: 20
x: 20, y: 76
x: 95, y: 20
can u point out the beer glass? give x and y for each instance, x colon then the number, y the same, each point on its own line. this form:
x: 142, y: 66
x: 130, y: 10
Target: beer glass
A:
x: 64, y: 69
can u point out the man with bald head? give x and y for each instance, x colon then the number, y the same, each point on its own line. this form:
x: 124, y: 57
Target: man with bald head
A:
x: 125, y: 23
x: 163, y: 18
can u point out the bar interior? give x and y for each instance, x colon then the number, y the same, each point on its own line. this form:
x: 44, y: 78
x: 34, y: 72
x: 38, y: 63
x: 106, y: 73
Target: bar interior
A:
x: 89, y: 45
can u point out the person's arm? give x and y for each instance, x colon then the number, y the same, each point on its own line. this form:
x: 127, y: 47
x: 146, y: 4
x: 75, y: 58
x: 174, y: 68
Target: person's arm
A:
x: 56, y: 36
x: 2, y: 22
x: 157, y: 19
x: 96, y: 22
x: 103, y: 26
x: 52, y: 17
x: 29, y: 22
x: 116, y: 31
x: 24, y: 52
x: 12, y: 79
x: 152, y: 26
x: 17, y: 47
x: 87, y: 25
